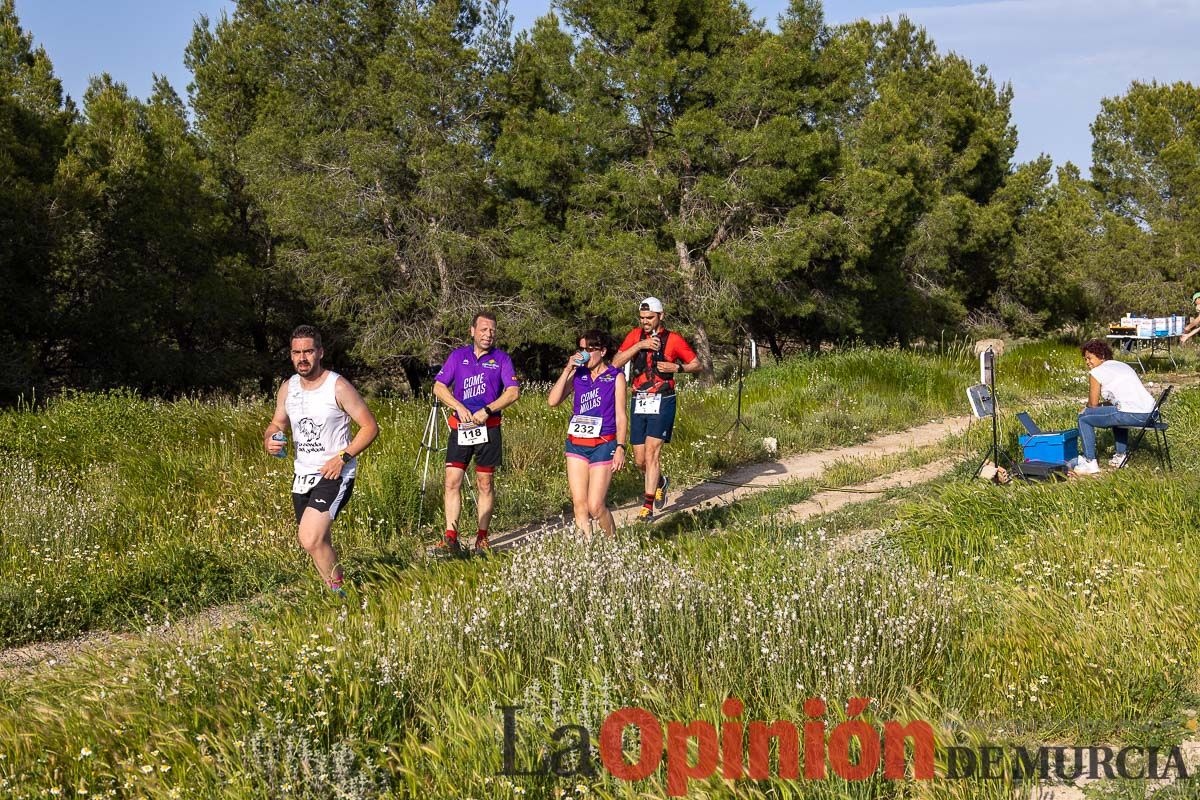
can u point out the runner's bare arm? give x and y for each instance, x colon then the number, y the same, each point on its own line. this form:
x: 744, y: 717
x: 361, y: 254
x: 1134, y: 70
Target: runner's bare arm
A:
x: 442, y: 392
x: 279, y: 422
x: 668, y: 367
x: 349, y: 400
x: 558, y: 392
x: 622, y: 423
x: 353, y: 404
x: 623, y: 357
x: 506, y: 398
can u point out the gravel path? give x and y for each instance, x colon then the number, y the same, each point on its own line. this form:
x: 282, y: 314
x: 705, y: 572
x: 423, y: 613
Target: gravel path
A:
x: 745, y: 481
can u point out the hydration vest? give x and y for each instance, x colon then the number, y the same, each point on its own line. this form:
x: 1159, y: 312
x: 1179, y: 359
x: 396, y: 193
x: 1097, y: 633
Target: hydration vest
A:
x: 644, y: 376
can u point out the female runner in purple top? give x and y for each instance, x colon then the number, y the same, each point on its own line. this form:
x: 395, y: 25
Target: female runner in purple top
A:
x: 596, y: 433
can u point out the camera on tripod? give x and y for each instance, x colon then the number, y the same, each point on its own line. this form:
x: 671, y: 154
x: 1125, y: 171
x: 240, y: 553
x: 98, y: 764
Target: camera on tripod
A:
x: 996, y: 464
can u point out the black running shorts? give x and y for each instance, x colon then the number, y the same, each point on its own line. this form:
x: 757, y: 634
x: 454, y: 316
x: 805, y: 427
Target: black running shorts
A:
x: 487, y: 455
x: 328, y: 494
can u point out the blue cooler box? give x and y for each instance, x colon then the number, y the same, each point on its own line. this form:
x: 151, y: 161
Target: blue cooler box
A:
x: 1054, y: 448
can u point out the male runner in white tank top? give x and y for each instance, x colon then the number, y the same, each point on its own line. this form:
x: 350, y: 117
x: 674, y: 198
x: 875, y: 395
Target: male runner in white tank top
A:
x: 318, y: 404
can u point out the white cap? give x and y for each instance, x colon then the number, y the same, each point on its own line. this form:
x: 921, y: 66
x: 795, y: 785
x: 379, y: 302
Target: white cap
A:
x: 651, y: 304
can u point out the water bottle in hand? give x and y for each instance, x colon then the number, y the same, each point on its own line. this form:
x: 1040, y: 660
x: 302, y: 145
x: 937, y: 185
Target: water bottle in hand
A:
x: 279, y: 437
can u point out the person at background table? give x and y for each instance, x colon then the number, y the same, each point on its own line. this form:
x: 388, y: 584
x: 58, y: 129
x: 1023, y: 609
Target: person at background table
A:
x: 1192, y: 327
x: 595, y: 447
x: 1113, y: 382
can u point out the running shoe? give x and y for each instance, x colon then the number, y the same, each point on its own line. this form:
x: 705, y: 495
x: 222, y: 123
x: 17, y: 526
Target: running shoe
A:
x: 446, y: 548
x: 646, y: 514
x: 482, y: 546
x: 1087, y: 466
x: 660, y: 494
x: 1119, y: 460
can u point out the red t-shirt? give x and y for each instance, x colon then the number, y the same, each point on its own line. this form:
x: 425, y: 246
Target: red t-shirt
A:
x: 647, y: 379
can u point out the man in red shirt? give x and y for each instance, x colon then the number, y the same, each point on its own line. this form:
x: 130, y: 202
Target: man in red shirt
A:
x: 654, y: 355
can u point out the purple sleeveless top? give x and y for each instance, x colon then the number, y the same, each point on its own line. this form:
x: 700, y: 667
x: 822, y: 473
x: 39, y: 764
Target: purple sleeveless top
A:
x: 597, y: 398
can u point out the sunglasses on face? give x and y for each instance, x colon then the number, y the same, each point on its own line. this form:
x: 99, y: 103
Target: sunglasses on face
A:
x: 592, y: 348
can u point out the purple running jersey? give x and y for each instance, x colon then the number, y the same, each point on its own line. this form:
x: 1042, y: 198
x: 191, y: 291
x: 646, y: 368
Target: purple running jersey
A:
x: 597, y: 398
x: 477, y: 382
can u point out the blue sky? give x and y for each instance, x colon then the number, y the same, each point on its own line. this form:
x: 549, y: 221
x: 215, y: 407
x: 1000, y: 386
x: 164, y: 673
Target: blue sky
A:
x: 1061, y: 56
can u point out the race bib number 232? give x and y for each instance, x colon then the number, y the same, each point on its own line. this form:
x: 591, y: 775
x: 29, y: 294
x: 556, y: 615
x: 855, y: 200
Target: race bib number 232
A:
x: 585, y: 427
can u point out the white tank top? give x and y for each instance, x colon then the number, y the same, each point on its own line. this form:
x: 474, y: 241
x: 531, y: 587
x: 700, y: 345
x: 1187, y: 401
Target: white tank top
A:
x: 320, y: 428
x: 1121, y: 386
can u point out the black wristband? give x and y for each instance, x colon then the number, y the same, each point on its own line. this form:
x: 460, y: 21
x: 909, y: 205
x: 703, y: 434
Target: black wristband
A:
x: 489, y: 411
x: 621, y: 445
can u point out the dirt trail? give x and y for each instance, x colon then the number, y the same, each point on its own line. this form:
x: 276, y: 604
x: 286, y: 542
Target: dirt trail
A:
x: 23, y: 658
x: 745, y: 481
x: 748, y: 480
x: 833, y: 499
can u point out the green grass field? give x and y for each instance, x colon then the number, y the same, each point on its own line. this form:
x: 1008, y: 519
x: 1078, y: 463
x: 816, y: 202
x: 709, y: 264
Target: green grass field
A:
x: 1035, y: 613
x: 124, y: 509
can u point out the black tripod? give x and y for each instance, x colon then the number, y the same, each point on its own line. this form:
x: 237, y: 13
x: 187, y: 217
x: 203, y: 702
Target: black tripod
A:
x: 738, y: 422
x: 430, y: 444
x: 995, y: 453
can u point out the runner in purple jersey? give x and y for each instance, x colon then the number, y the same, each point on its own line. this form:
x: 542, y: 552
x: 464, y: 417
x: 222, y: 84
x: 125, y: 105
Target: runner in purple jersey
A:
x: 477, y: 381
x: 594, y: 397
x: 595, y: 446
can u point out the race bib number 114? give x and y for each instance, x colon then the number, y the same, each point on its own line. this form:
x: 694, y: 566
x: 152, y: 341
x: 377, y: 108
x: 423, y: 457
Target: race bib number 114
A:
x: 302, y: 483
x: 644, y: 403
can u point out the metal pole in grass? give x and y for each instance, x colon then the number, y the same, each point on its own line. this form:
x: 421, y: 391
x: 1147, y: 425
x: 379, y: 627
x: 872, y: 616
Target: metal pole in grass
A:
x: 746, y: 344
x: 430, y: 444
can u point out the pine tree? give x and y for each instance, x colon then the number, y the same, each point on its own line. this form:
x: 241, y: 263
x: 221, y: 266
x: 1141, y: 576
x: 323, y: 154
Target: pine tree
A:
x: 34, y: 122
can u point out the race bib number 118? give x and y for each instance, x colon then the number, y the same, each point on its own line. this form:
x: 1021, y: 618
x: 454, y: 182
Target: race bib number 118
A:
x: 476, y: 434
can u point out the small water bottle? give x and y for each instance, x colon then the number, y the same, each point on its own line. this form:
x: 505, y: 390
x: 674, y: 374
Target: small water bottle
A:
x: 279, y: 437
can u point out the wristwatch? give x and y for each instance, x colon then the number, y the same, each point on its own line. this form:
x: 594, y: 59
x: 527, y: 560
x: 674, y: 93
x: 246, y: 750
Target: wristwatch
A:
x: 346, y: 457
x: 489, y: 411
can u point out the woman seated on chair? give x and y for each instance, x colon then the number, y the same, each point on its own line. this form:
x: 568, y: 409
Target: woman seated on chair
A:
x: 1116, y: 383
